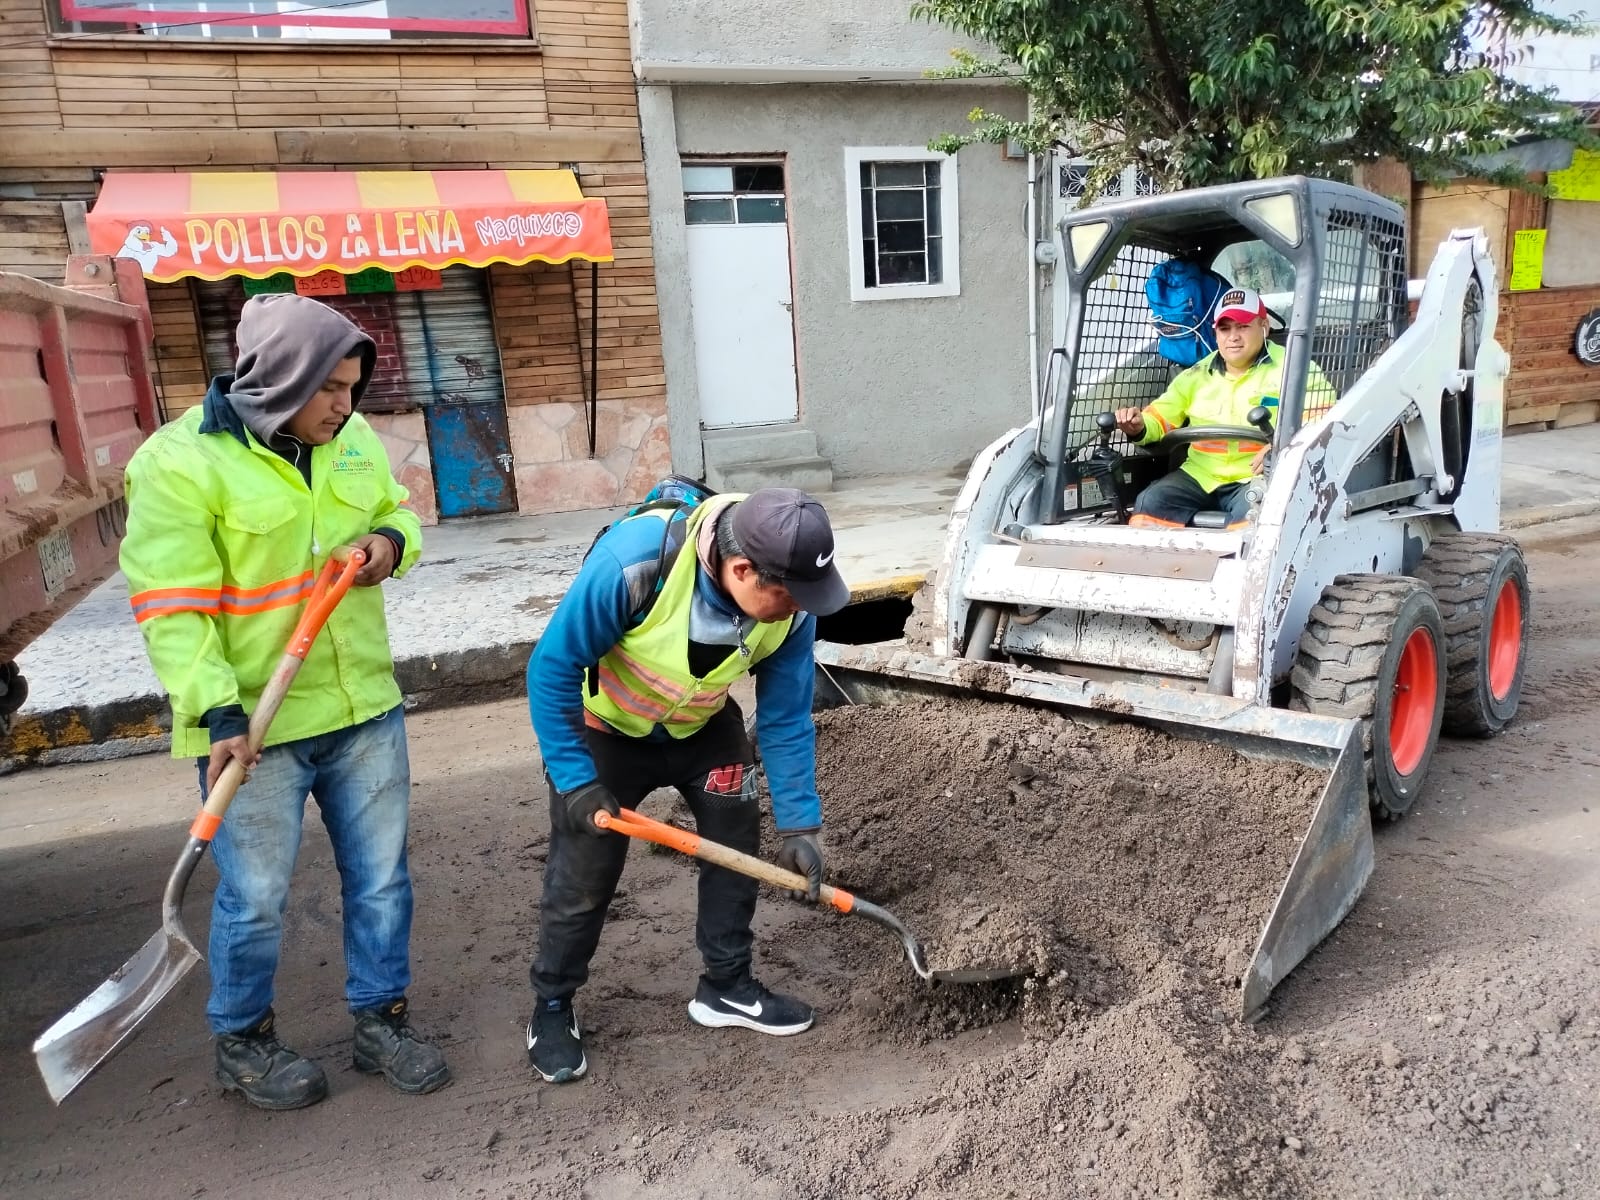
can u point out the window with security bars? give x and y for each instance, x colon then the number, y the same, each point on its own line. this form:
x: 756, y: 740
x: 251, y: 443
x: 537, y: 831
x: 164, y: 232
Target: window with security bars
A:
x: 341, y: 20
x: 902, y: 223
x: 902, y: 239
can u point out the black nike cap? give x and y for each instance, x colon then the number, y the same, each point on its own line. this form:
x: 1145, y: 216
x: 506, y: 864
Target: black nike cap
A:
x: 786, y: 534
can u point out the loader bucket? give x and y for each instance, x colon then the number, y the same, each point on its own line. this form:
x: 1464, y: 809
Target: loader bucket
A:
x: 1334, y: 858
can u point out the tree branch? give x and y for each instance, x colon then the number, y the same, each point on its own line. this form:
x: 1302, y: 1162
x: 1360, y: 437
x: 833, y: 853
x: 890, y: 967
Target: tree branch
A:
x: 1176, y: 89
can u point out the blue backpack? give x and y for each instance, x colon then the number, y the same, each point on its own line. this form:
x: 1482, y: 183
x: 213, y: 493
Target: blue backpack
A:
x: 1182, y: 296
x: 679, y: 496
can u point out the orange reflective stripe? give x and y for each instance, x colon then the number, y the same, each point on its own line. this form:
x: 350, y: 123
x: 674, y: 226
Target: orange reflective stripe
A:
x: 1166, y: 425
x: 304, y: 577
x: 1237, y: 525
x: 284, y: 594
x: 161, y: 602
x: 658, y: 681
x: 617, y: 692
x: 1147, y: 520
x: 1217, y: 447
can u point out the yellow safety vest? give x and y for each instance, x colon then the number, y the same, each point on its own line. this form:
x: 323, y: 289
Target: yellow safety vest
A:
x: 644, y: 680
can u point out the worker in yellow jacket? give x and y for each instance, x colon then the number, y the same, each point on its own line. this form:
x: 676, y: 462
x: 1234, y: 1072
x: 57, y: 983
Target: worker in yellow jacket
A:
x: 1244, y: 371
x: 232, y: 509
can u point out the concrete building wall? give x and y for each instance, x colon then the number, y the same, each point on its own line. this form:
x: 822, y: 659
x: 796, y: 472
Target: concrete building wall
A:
x: 886, y: 385
x: 1571, y: 65
x: 841, y: 37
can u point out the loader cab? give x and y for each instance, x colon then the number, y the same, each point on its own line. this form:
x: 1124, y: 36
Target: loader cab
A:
x: 1329, y: 261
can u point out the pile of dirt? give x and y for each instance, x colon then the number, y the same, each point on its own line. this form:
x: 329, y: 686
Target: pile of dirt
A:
x: 1128, y: 874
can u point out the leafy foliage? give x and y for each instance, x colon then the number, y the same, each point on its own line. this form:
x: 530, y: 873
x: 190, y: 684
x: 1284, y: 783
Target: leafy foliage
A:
x: 1196, y: 92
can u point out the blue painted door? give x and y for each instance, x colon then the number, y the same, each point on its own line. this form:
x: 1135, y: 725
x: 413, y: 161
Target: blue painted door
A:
x: 471, y: 450
x: 452, y: 364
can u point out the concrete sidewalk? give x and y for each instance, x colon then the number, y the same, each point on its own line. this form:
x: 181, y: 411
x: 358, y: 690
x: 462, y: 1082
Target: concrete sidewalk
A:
x: 463, y: 622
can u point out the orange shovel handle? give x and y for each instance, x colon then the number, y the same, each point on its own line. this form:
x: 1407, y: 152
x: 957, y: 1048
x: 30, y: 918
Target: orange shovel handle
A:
x: 637, y: 825
x: 333, y: 581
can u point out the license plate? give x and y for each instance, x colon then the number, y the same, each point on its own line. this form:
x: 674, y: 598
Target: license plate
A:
x: 56, y: 563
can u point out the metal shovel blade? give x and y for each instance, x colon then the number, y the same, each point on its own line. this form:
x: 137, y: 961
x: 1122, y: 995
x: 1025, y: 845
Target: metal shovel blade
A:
x: 73, y: 1048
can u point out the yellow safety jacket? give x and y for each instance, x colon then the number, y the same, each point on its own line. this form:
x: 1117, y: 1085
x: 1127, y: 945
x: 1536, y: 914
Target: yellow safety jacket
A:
x: 223, y: 544
x: 644, y: 680
x: 1205, y: 394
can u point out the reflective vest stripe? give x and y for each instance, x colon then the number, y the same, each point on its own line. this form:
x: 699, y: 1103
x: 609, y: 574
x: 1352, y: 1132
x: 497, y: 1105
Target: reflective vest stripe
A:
x: 619, y: 694
x: 1166, y: 425
x: 162, y: 602
x: 281, y: 595
x: 656, y: 680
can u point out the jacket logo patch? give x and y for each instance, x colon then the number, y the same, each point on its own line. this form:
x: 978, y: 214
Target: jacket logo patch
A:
x: 726, y: 781
x: 351, y: 460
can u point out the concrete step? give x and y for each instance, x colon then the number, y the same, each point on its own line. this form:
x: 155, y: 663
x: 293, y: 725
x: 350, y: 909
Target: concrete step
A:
x: 809, y: 474
x: 758, y: 443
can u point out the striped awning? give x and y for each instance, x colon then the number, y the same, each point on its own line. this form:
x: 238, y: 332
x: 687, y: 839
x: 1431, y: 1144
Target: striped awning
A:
x: 259, y: 223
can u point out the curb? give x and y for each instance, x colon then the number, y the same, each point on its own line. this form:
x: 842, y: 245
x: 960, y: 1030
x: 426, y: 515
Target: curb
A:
x: 1547, y: 513
x: 143, y: 725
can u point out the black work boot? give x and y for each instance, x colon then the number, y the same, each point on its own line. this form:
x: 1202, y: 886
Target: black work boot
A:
x: 387, y: 1045
x: 254, y: 1063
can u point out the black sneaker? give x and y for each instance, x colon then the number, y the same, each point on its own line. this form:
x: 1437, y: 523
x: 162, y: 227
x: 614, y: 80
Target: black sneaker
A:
x: 555, y: 1047
x: 254, y: 1063
x: 387, y: 1045
x: 748, y: 1005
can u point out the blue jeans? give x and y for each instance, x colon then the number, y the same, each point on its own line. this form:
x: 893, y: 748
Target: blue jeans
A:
x: 360, y: 778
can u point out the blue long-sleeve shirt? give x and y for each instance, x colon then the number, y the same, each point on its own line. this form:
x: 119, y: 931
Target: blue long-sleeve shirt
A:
x: 615, y: 582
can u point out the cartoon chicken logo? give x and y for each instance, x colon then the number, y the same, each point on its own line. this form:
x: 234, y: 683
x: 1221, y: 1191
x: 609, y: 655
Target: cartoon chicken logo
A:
x: 142, y: 246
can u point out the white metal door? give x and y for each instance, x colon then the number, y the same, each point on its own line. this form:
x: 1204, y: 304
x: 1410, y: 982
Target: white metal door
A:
x: 739, y: 285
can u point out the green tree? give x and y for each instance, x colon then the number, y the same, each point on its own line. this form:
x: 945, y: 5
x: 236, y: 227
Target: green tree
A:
x: 1197, y: 92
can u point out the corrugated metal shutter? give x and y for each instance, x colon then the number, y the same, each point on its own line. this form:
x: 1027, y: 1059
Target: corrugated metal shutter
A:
x: 437, y: 345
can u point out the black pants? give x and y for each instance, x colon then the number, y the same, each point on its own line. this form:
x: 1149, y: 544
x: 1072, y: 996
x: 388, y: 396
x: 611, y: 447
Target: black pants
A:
x: 714, y: 772
x: 1176, y: 497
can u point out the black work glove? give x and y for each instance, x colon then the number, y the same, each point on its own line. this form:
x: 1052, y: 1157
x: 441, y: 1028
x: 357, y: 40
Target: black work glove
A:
x: 582, y: 804
x: 801, y: 853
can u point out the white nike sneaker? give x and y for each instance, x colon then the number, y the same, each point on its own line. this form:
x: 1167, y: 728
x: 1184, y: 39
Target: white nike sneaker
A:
x: 748, y: 1005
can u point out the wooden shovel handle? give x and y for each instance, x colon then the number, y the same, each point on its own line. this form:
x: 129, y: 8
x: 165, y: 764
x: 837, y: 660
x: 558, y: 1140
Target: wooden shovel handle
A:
x: 637, y: 825
x: 326, y: 593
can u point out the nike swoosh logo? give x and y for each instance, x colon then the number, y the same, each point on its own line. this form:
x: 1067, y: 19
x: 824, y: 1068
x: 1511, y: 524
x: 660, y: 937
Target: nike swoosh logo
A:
x: 824, y: 559
x: 752, y: 1010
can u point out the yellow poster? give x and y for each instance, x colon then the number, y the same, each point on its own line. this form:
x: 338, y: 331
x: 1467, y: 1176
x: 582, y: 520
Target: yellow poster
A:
x: 1580, y: 181
x: 1527, y: 260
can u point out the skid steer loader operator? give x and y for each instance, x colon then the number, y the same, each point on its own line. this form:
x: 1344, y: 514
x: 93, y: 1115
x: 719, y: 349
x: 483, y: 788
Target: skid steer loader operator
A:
x: 1246, y: 370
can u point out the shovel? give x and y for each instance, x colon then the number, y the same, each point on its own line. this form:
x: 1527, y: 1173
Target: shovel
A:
x: 79, y: 1043
x: 638, y: 825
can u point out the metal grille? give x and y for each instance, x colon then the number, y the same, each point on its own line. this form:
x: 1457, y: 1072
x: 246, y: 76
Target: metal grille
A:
x: 1118, y: 362
x: 1361, y: 300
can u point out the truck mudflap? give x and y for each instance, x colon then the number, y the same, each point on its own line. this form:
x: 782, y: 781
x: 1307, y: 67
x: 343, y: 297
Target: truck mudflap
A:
x: 1334, y: 858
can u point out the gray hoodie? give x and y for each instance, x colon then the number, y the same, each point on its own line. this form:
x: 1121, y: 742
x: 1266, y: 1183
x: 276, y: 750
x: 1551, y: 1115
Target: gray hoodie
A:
x: 288, y: 346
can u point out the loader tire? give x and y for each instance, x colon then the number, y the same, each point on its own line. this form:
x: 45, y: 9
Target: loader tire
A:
x: 1374, y: 649
x: 1481, y: 583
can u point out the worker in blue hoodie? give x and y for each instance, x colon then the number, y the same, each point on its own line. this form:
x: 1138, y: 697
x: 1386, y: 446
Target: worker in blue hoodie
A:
x: 628, y: 691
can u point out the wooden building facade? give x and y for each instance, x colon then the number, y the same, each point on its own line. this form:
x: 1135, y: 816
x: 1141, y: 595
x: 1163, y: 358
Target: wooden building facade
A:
x: 547, y: 86
x: 1550, y: 386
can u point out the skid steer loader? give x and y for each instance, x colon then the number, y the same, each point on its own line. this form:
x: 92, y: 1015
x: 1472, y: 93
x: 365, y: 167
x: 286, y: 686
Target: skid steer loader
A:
x: 1366, y: 602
